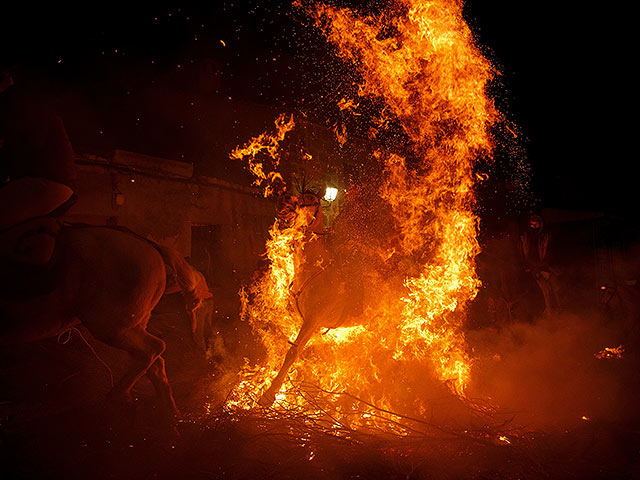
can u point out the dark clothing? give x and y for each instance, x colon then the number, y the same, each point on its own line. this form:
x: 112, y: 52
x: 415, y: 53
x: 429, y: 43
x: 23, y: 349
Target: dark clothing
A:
x: 534, y: 248
x: 33, y: 141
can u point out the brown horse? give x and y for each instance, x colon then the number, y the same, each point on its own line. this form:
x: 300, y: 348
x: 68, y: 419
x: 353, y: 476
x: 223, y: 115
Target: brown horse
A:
x: 327, y: 290
x: 109, y: 280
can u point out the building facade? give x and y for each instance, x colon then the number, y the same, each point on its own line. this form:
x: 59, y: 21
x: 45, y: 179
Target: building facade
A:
x: 221, y: 226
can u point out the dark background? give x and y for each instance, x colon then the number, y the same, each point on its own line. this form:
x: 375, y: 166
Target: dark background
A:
x: 565, y: 79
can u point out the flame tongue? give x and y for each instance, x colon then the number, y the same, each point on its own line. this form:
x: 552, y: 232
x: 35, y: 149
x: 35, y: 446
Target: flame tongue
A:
x: 265, y: 145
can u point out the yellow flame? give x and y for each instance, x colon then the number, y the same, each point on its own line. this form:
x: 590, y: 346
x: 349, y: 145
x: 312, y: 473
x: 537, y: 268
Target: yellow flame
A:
x: 347, y: 104
x: 432, y: 79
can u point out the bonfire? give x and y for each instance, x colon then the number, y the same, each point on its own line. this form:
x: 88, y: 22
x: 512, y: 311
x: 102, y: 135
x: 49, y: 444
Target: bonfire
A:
x: 418, y: 63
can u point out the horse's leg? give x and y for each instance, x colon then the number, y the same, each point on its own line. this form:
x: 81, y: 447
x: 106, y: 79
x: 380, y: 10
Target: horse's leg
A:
x: 145, y: 349
x: 158, y: 376
x: 304, y: 335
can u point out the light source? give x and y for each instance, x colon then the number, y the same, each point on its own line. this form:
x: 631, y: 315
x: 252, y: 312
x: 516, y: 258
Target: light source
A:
x: 330, y: 194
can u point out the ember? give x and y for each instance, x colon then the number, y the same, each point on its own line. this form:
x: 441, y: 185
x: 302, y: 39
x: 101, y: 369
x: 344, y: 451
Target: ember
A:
x: 610, y: 352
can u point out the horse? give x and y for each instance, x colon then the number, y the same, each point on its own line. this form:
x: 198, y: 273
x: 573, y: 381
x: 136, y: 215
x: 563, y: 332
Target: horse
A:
x: 107, y: 279
x: 328, y: 289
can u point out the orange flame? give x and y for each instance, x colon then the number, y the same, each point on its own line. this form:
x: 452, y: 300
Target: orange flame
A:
x: 341, y: 134
x: 432, y: 79
x: 267, y: 306
x: 267, y: 145
x: 347, y: 104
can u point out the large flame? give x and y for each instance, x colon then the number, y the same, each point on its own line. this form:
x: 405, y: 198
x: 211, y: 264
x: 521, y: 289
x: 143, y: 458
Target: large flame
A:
x: 421, y: 61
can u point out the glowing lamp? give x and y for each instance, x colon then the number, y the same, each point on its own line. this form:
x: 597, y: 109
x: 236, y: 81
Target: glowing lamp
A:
x: 330, y: 194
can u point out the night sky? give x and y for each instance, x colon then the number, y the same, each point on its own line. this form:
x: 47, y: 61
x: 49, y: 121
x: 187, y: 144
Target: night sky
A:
x: 563, y: 82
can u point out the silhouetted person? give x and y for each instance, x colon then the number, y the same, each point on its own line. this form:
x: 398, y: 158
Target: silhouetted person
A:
x: 535, y: 246
x: 36, y: 176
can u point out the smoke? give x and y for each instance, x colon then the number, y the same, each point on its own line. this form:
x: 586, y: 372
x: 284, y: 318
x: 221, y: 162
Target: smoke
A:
x: 547, y: 376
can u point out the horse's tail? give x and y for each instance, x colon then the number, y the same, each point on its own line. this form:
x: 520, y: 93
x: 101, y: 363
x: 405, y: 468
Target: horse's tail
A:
x: 191, y: 282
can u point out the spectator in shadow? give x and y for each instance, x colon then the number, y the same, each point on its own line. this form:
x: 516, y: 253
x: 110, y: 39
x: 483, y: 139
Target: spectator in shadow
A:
x: 535, y: 251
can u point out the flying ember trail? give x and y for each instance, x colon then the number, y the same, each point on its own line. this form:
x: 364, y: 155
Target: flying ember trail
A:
x: 420, y: 61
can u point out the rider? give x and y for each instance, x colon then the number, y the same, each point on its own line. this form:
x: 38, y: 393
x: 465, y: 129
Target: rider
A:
x: 36, y: 176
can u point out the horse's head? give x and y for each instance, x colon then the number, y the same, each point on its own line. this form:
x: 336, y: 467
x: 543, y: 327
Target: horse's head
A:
x: 301, y: 211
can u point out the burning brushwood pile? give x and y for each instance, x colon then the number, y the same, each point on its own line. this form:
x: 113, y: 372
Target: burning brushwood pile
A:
x: 369, y: 330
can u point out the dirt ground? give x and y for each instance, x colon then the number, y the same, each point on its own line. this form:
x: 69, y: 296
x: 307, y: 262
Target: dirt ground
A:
x: 56, y: 423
